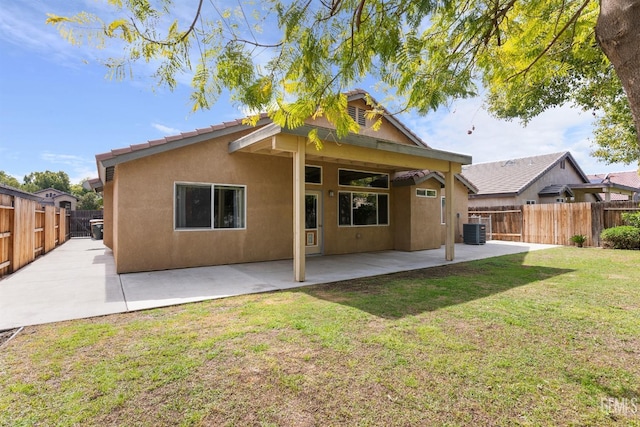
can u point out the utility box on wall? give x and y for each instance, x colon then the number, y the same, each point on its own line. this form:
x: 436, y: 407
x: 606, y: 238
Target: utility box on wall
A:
x: 474, y: 234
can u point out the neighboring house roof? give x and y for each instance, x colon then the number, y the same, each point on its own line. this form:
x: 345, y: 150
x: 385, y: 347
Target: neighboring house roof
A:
x: 58, y: 193
x: 627, y: 180
x: 555, y: 191
x: 106, y: 161
x: 512, y: 177
x: 12, y: 191
x: 416, y: 177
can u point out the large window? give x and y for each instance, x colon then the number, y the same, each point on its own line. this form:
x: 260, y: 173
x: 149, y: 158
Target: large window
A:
x: 209, y: 206
x: 354, y: 178
x: 363, y: 209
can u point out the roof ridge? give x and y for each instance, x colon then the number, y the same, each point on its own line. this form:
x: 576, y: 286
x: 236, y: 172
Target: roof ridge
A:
x: 518, y: 158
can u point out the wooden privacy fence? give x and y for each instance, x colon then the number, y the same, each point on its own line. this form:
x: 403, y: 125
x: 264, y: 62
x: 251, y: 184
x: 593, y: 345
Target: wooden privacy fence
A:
x: 553, y: 223
x: 28, y: 230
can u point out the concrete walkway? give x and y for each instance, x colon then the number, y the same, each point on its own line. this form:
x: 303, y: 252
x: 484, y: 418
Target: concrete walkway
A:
x: 78, y: 279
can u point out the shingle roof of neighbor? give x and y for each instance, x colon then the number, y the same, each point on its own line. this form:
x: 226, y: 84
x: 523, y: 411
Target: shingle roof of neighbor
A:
x: 513, y: 176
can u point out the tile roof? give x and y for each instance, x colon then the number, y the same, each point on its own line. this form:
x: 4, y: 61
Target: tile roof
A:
x: 351, y: 95
x: 117, y: 155
x: 156, y: 142
x: 512, y: 176
x: 628, y: 179
x: 415, y: 177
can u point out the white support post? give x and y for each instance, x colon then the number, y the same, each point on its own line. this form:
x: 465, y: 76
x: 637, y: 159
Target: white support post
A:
x: 450, y: 228
x: 298, y: 212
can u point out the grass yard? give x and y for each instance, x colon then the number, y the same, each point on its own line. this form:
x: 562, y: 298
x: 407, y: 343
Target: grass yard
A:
x: 547, y: 338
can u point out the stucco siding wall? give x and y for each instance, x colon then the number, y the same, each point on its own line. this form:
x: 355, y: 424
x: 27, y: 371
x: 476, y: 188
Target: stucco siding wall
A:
x: 461, y: 208
x: 142, y: 232
x: 146, y: 236
x: 426, y: 229
x: 349, y: 239
x: 107, y: 204
x: 386, y: 132
x: 403, y: 211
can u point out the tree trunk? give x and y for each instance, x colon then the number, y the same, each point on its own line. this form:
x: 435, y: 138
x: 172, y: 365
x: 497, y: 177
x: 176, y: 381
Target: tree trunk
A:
x: 618, y: 34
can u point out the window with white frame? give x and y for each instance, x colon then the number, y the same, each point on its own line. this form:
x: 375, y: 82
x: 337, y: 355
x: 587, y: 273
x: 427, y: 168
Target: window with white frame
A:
x: 443, y: 210
x: 560, y: 200
x: 357, y: 209
x: 209, y: 206
x: 425, y: 192
x: 530, y: 202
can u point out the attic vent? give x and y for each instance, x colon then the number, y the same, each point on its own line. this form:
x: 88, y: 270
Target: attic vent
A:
x: 509, y: 163
x: 109, y: 173
x: 357, y: 114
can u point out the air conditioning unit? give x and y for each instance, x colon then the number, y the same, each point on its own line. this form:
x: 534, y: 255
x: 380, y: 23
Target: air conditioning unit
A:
x: 474, y: 234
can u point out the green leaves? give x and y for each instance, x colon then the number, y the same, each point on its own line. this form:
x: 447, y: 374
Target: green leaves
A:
x: 529, y: 56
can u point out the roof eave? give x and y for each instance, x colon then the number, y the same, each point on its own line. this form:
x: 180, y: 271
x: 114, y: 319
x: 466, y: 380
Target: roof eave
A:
x: 115, y: 159
x: 382, y: 145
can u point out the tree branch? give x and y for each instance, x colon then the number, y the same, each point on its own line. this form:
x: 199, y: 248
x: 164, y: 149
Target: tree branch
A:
x: 554, y: 41
x: 172, y: 42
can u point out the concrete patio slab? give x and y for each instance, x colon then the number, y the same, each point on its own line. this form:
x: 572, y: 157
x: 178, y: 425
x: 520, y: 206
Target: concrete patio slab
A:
x: 78, y: 279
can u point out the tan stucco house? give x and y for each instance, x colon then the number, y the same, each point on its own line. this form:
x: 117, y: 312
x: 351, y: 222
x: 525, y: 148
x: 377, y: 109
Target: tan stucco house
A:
x: 547, y: 178
x: 57, y: 198
x: 233, y: 193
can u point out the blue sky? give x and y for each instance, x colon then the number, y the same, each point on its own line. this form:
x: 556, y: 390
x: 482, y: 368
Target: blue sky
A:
x: 58, y: 110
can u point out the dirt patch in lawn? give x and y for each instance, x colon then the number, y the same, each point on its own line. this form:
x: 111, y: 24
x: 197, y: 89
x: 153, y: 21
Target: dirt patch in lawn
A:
x: 6, y: 335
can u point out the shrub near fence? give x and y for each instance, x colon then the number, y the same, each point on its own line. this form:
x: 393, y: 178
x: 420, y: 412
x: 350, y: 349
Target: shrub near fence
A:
x: 28, y: 230
x: 553, y: 223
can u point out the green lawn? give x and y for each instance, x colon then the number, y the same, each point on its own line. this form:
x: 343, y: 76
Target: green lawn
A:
x: 547, y: 338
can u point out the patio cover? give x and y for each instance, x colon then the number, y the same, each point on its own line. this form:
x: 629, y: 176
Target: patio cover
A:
x: 353, y: 149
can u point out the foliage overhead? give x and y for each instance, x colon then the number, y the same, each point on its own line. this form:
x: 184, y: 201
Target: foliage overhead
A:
x: 295, y: 59
x: 89, y: 201
x: 36, y: 181
x: 9, y: 180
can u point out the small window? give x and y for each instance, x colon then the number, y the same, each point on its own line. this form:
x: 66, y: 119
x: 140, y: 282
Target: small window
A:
x: 356, y: 178
x: 206, y: 206
x: 424, y: 192
x: 443, y: 210
x: 313, y: 174
x: 560, y: 200
x: 357, y: 209
x: 530, y: 202
x: 563, y: 164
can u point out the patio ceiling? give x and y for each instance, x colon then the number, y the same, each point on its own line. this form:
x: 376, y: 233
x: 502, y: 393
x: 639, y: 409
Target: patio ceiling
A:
x: 353, y: 149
